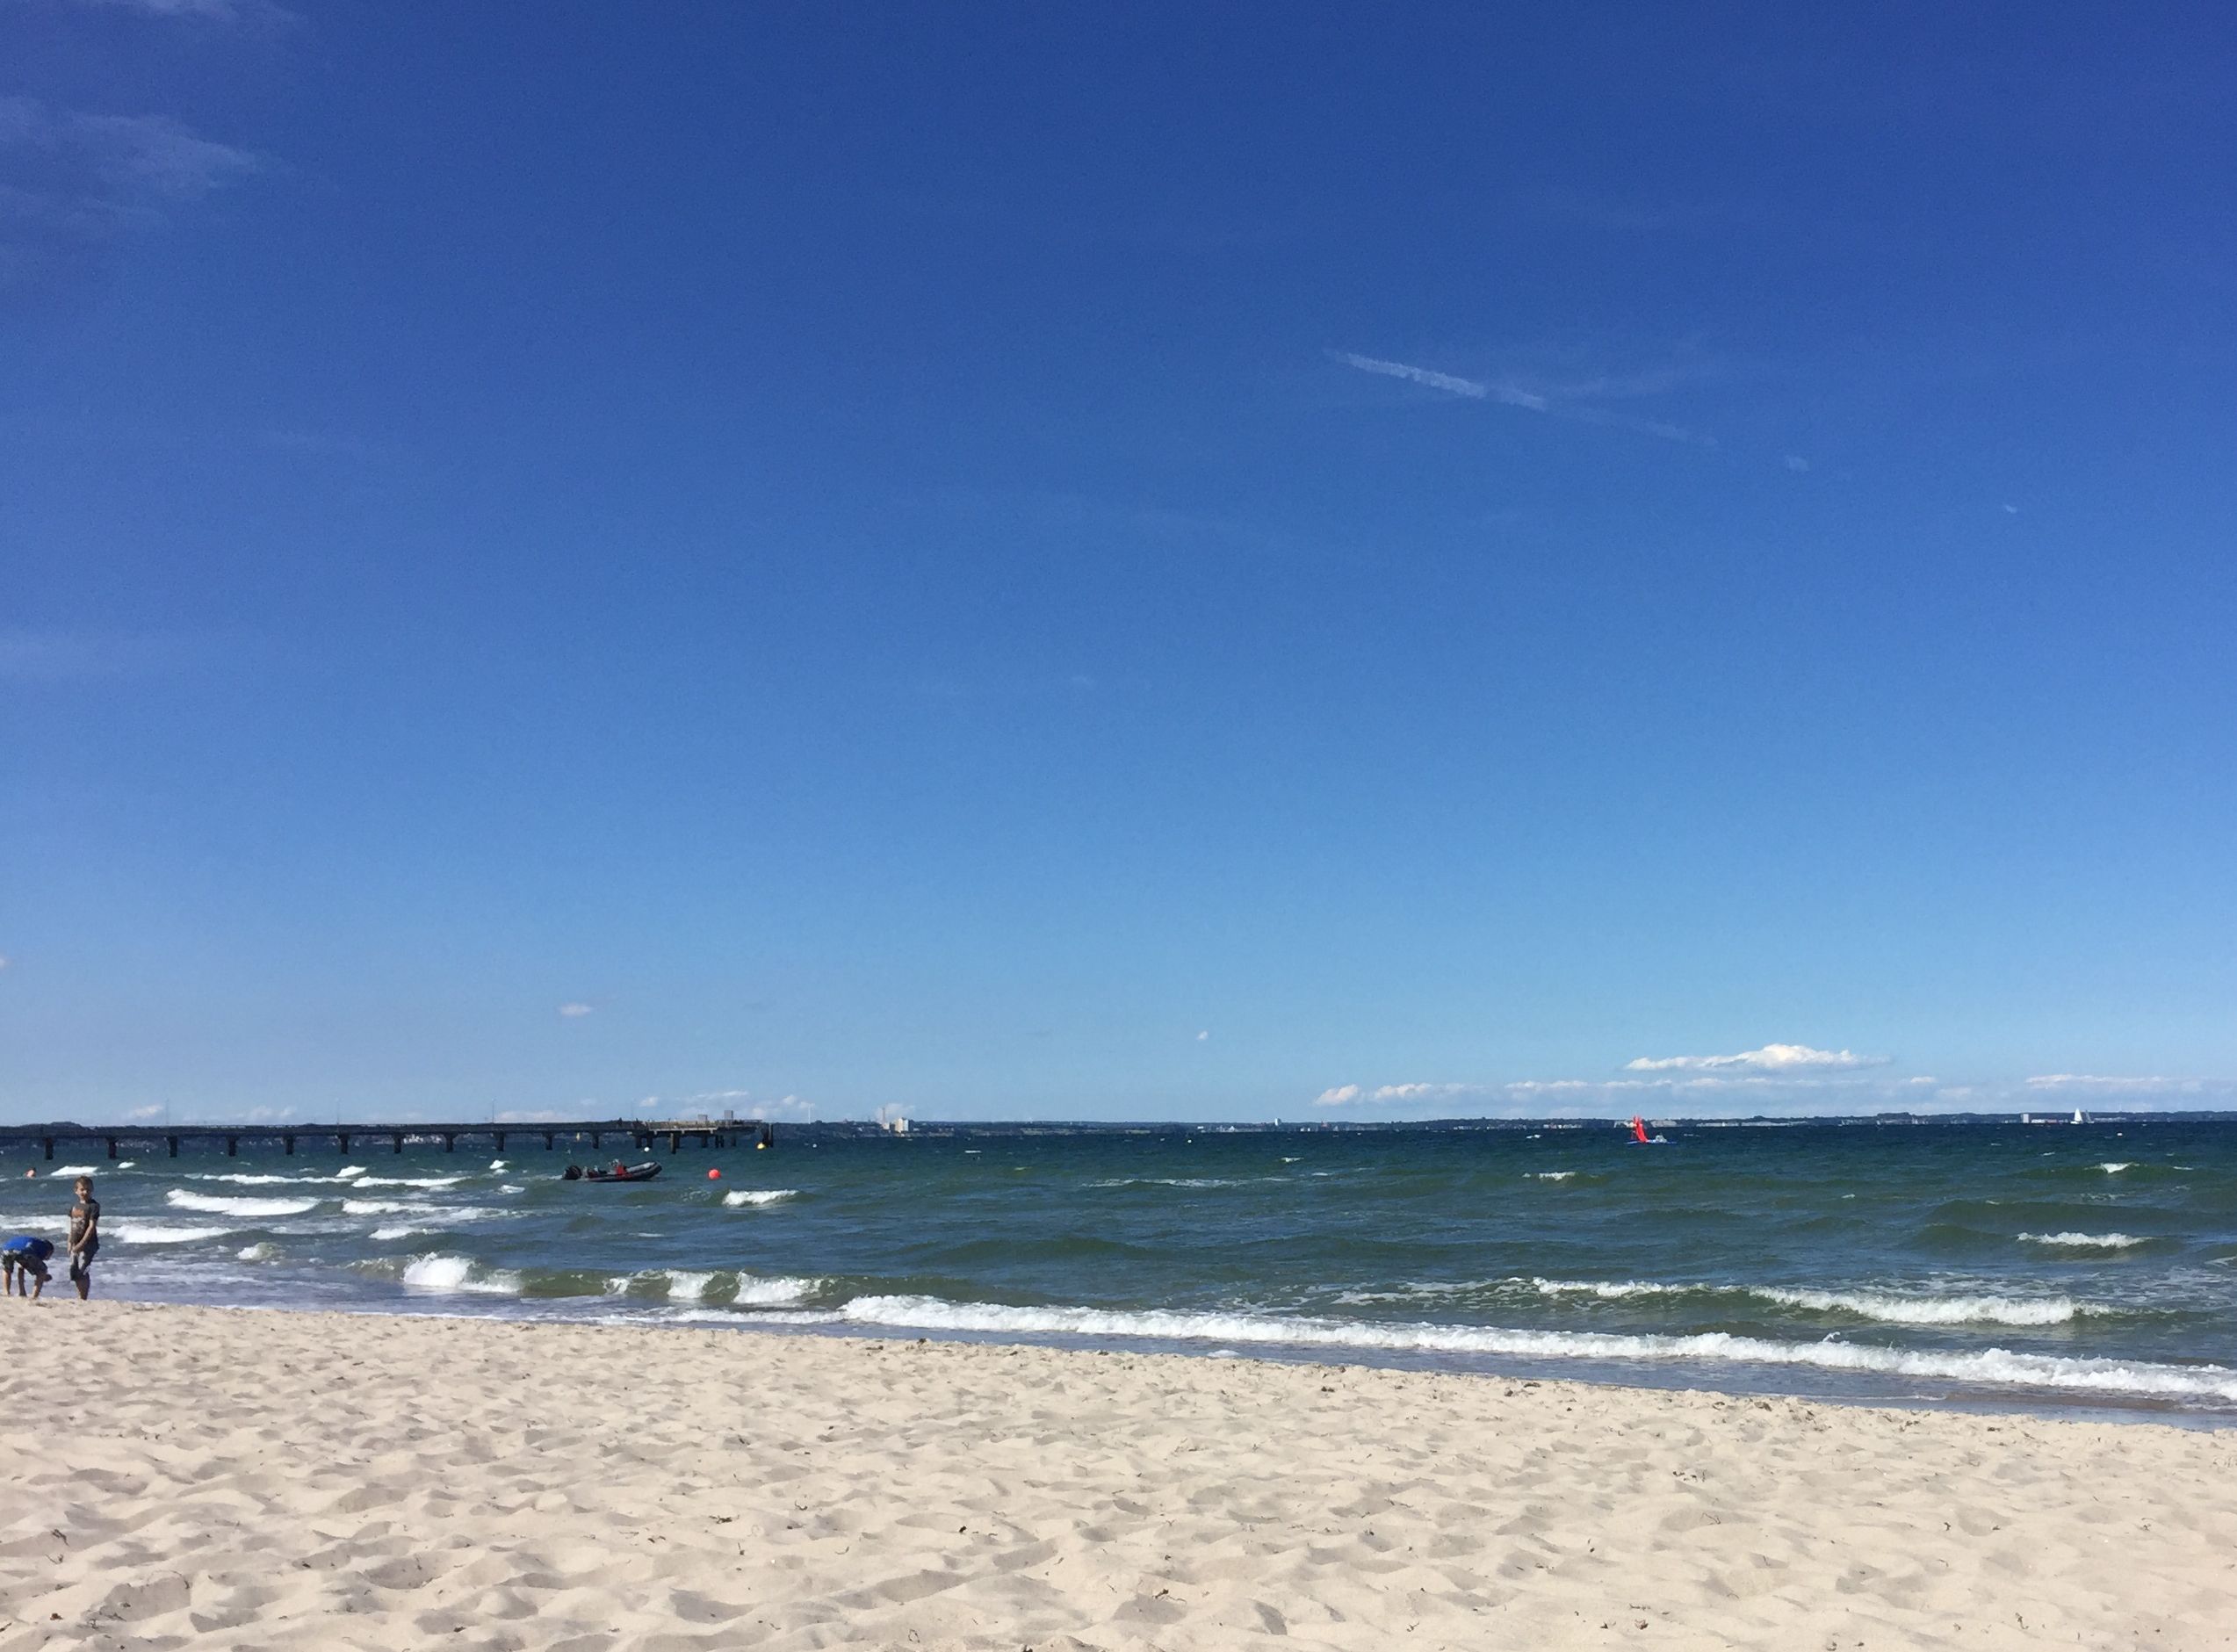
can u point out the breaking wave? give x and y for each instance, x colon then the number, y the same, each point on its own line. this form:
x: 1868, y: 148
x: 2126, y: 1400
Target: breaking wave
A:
x: 215, y: 1205
x: 1992, y: 1366
x: 158, y: 1233
x: 1892, y: 1308
x: 437, y: 1271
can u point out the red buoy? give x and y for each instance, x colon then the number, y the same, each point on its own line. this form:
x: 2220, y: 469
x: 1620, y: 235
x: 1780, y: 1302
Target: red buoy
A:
x: 714, y: 1175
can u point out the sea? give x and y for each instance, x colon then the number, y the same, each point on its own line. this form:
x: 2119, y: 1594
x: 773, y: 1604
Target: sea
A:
x: 2064, y: 1267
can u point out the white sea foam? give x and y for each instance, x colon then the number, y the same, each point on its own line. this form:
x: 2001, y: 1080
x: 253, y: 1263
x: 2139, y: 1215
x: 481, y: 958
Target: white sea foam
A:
x: 347, y: 1170
x: 410, y: 1181
x: 1893, y: 1308
x: 253, y: 1179
x: 220, y: 1206
x: 436, y: 1272
x: 1990, y: 1366
x: 1553, y: 1175
x: 2085, y: 1241
x: 403, y: 1231
x: 687, y: 1287
x: 752, y: 1292
x: 438, y: 1215
x: 760, y: 1196
x: 262, y: 1251
x: 1897, y: 1309
x: 772, y: 1293
x: 496, y: 1164
x: 124, y: 1163
x: 159, y: 1233
x: 509, y: 1188
x: 75, y: 1170
x: 2115, y: 1167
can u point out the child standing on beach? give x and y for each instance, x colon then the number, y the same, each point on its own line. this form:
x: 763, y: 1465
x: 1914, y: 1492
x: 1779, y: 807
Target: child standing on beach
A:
x: 85, y: 1236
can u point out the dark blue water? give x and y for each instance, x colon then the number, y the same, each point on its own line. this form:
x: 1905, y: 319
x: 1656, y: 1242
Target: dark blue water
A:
x: 2092, y: 1265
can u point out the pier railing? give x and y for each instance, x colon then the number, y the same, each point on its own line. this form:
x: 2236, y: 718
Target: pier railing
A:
x: 641, y: 1134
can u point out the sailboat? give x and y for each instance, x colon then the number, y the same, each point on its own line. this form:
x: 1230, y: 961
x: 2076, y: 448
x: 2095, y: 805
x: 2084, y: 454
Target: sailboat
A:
x: 1639, y: 1133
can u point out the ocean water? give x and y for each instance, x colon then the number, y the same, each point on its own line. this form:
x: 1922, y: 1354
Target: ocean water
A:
x: 2091, y: 1267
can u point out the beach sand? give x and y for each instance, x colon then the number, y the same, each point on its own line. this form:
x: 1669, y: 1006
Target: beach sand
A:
x: 170, y: 1475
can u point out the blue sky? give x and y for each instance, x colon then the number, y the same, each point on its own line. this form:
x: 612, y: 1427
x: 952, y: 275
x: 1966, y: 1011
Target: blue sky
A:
x: 1129, y: 560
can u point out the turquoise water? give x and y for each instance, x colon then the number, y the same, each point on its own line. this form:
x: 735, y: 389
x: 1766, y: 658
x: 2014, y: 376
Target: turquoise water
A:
x: 2092, y: 1265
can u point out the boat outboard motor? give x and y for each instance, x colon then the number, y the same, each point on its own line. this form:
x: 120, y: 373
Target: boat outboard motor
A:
x: 573, y: 1172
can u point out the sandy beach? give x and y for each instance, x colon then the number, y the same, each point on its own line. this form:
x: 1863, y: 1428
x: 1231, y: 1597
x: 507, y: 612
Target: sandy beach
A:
x: 260, y: 1479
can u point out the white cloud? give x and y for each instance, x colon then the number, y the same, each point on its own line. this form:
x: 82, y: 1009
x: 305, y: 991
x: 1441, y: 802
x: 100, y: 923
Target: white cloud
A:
x: 145, y: 1113
x: 4, y: 961
x: 1796, y: 463
x: 58, y: 657
x: 709, y: 1102
x: 1345, y: 1095
x: 204, y: 10
x: 2153, y: 1082
x: 1604, y: 211
x: 71, y: 183
x: 1420, y: 1091
x: 574, y: 1012
x: 1201, y: 1036
x: 1778, y: 1058
x: 121, y: 163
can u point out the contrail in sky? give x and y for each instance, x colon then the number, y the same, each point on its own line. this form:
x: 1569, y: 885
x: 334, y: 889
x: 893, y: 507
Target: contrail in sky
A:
x: 1506, y: 394
x: 1512, y: 396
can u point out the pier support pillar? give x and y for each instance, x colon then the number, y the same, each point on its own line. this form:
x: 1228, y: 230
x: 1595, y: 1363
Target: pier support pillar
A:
x: 501, y: 1141
x: 171, y: 1141
x: 549, y: 1138
x: 449, y: 1143
x: 47, y: 1141
x: 112, y: 1142
x: 397, y: 1137
x: 342, y: 1144
x: 290, y: 1144
x: 232, y: 1146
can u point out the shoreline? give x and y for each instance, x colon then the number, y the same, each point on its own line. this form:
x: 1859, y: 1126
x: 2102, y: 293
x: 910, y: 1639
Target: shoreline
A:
x: 301, y: 1478
x: 1546, y: 1369
x: 1815, y: 1384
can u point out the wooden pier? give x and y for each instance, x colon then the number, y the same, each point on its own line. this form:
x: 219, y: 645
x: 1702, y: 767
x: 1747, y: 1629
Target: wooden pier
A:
x: 145, y: 1139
